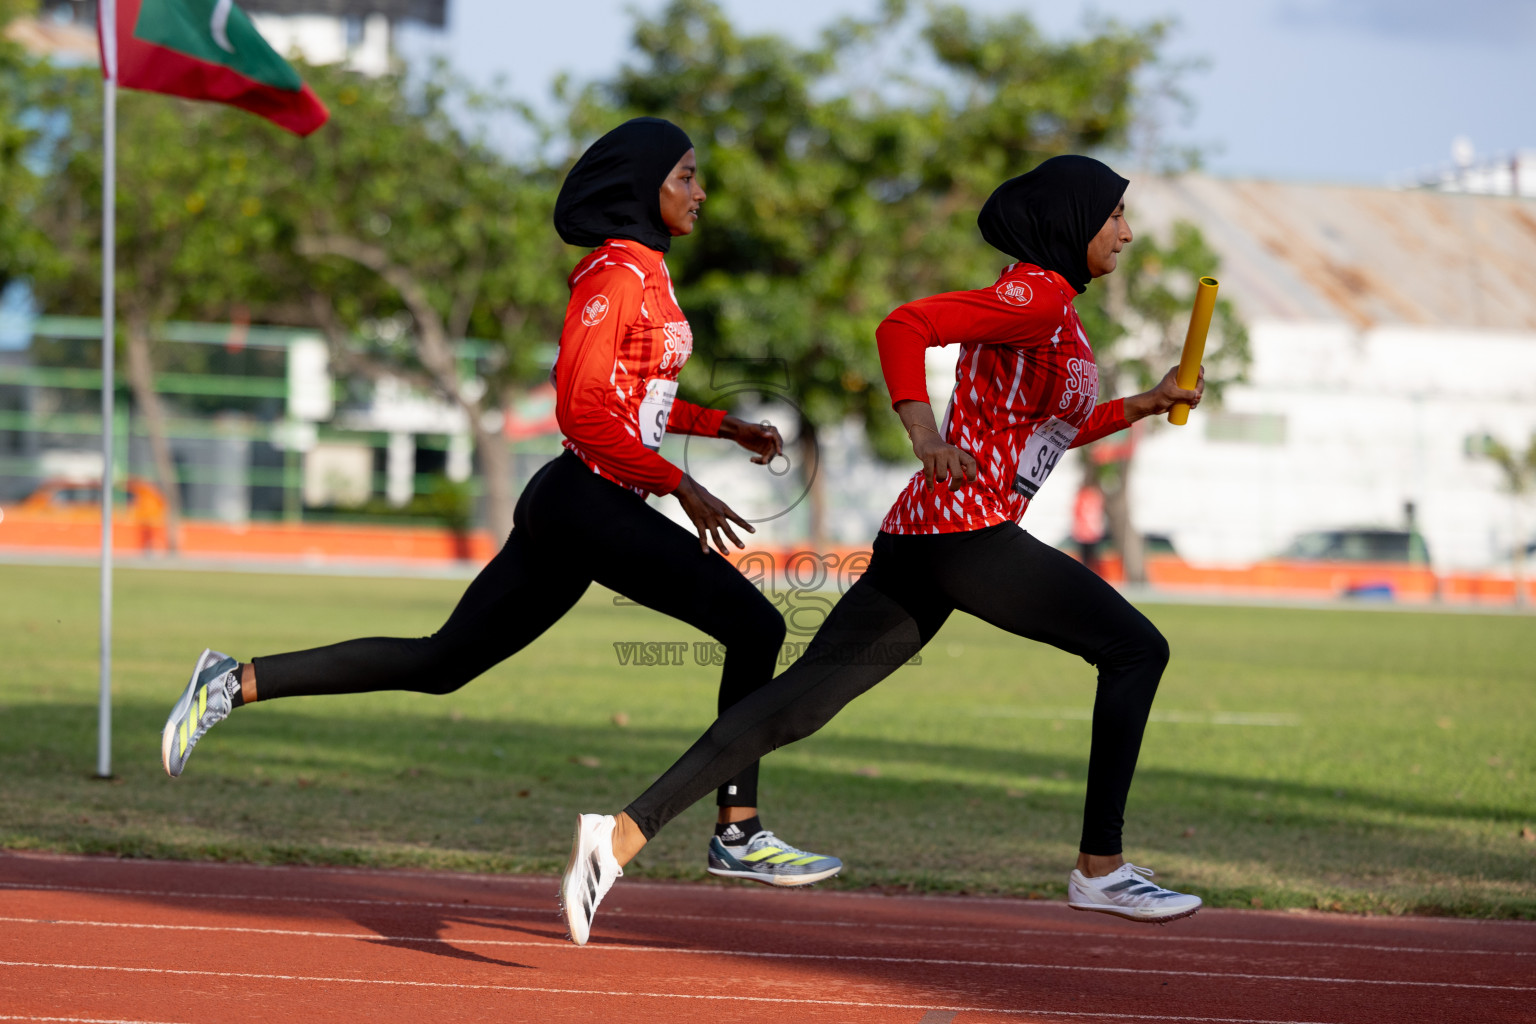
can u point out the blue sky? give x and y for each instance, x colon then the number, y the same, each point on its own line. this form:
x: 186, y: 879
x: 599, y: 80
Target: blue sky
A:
x: 1330, y: 90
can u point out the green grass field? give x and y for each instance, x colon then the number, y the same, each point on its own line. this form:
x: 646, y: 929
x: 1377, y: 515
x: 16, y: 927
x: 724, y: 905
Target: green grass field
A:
x: 1379, y: 762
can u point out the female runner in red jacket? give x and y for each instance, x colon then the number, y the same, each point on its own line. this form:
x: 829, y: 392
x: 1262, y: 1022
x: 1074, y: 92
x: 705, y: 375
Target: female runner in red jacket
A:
x: 583, y: 517
x: 1026, y: 391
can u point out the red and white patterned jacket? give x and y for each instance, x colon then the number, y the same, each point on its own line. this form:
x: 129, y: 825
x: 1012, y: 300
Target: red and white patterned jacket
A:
x: 621, y: 349
x: 1024, y: 362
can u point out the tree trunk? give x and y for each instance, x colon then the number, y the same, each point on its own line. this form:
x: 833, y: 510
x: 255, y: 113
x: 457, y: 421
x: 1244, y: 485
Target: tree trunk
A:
x: 141, y: 377
x: 816, y: 490
x: 1517, y: 561
x: 1117, y: 509
x: 497, y: 475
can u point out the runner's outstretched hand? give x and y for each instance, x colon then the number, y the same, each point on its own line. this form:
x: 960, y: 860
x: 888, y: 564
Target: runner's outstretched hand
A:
x: 1163, y: 397
x: 710, y: 515
x: 762, y: 438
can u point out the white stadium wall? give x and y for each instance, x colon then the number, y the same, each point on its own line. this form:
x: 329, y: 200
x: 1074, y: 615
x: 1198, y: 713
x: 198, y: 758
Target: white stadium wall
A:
x: 1338, y: 427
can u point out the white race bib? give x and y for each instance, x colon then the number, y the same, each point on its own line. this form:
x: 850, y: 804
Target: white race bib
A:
x: 655, y: 410
x: 1042, y: 451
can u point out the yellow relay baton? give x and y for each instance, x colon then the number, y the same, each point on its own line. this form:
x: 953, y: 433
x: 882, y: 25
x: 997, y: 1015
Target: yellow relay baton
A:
x: 1194, y: 346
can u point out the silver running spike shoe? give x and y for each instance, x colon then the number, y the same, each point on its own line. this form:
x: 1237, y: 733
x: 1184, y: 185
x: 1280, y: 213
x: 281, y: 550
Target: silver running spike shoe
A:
x: 1127, y: 892
x: 203, y: 704
x: 589, y: 874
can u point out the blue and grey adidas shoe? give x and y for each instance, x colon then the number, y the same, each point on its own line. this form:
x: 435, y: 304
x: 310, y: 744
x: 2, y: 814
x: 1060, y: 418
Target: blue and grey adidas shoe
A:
x: 768, y: 859
x: 203, y: 704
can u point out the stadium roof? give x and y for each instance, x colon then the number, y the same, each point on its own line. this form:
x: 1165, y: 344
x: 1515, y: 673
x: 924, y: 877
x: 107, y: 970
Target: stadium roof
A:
x: 1363, y: 256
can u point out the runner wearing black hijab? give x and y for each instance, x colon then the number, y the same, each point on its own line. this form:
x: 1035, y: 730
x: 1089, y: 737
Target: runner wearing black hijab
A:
x: 583, y: 517
x: 1026, y: 390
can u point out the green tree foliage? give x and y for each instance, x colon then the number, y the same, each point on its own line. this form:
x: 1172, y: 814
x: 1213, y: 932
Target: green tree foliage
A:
x: 23, y: 120
x: 1517, y: 468
x: 1518, y: 472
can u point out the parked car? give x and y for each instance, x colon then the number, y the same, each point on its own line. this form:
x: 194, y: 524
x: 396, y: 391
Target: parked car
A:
x: 1399, y: 547
x: 72, y: 501
x: 1361, y: 562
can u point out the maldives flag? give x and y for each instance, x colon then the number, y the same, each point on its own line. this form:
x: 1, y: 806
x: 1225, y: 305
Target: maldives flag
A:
x: 204, y: 50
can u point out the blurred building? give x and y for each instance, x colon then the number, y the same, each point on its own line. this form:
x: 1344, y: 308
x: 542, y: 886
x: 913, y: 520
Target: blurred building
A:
x: 359, y: 33
x: 1390, y: 330
x: 1510, y: 174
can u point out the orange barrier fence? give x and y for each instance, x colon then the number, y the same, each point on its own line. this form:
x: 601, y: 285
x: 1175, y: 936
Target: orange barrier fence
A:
x: 789, y: 568
x: 255, y: 541
x: 1322, y: 579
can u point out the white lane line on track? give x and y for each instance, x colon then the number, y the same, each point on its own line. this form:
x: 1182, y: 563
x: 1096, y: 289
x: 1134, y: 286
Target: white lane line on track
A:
x: 81, y: 1020
x: 760, y: 955
x: 645, y: 995
x: 548, y: 911
x: 1100, y: 936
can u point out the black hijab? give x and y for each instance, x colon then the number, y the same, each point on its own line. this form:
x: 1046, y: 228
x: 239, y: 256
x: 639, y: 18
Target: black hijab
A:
x: 614, y: 189
x: 1048, y: 216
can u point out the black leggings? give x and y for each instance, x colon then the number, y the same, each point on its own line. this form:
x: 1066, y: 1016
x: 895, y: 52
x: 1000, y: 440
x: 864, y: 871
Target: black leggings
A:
x: 571, y: 527
x: 1001, y: 575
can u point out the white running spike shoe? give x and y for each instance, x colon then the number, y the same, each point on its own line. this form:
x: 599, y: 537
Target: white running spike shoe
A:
x: 589, y: 874
x: 203, y: 704
x: 1126, y: 892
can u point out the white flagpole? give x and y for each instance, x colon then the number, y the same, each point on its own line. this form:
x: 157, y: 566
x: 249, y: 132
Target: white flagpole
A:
x: 108, y: 14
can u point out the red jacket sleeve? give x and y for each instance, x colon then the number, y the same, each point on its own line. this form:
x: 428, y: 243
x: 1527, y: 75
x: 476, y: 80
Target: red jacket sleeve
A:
x: 586, y: 407
x: 902, y: 338
x: 1106, y: 419
x: 954, y: 318
x: 687, y: 418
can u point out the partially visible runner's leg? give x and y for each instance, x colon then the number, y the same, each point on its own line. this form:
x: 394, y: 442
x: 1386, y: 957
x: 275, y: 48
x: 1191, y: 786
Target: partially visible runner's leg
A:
x: 701, y: 588
x: 1010, y: 579
x: 876, y: 628
x: 520, y: 593
x: 867, y: 636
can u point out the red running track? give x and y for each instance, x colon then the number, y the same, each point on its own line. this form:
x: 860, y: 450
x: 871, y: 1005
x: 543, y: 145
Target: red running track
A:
x: 95, y: 939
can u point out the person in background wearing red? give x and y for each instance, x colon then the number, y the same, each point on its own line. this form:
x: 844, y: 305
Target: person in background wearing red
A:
x: 583, y: 517
x: 1088, y: 524
x: 1026, y: 391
